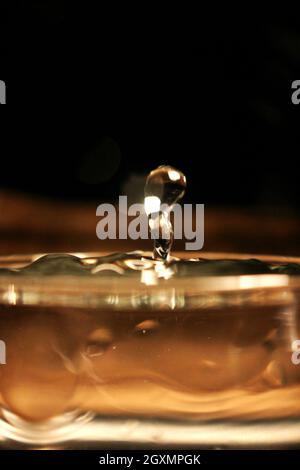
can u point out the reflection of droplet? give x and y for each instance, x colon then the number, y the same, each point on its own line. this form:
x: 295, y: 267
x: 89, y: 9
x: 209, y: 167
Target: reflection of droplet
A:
x: 98, y: 342
x: 147, y: 327
x: 138, y: 264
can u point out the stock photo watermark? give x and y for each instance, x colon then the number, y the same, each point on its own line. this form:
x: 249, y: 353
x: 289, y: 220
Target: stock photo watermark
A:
x: 296, y: 352
x: 2, y: 352
x: 2, y: 92
x: 296, y: 93
x: 133, y: 221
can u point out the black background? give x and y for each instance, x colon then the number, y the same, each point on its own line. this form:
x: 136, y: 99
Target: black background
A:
x: 95, y: 98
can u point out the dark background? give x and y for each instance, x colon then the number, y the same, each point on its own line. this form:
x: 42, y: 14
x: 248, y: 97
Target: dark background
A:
x: 95, y: 101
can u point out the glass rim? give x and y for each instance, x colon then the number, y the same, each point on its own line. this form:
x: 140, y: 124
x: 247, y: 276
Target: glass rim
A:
x: 123, y: 292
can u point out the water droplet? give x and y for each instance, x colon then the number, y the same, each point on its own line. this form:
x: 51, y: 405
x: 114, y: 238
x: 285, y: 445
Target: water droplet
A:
x: 164, y: 187
x: 166, y: 184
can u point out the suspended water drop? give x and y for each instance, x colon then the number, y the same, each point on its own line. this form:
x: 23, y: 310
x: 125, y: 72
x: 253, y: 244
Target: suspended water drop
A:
x: 164, y: 187
x: 166, y: 184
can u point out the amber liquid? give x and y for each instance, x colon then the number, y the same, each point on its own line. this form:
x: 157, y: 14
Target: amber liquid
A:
x: 191, y: 365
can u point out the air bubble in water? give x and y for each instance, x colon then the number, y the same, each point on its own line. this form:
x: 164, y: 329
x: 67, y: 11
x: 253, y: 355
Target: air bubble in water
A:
x: 147, y: 327
x: 98, y: 342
